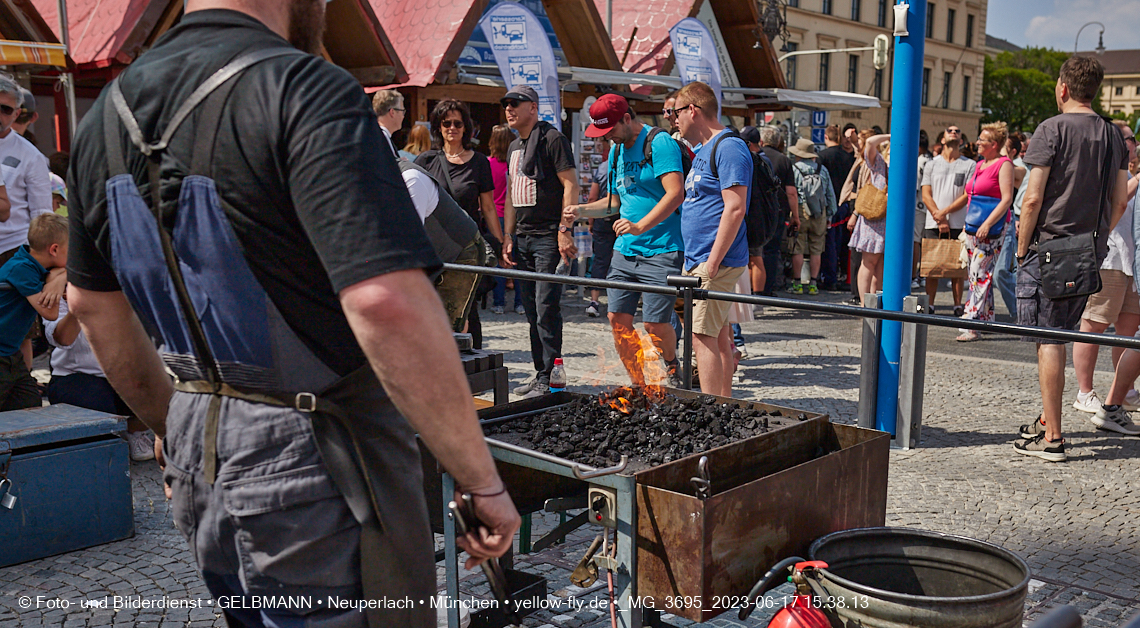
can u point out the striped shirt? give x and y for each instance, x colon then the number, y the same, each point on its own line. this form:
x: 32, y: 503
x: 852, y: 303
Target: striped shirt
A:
x: 524, y: 190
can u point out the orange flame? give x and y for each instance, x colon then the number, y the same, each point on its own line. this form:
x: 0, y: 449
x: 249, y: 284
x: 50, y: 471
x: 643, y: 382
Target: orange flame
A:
x: 638, y: 352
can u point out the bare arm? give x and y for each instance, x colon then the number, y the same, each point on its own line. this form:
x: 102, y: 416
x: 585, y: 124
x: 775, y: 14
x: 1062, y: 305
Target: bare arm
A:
x: 1119, y: 197
x: 599, y: 208
x: 65, y: 331
x: 1031, y: 207
x: 1018, y: 176
x: 872, y: 148
x: 569, y: 178
x: 125, y: 353
x: 928, y: 201
x: 5, y: 204
x: 48, y: 312
x: 400, y: 324
x: 508, y: 226
x: 674, y: 195
x: 735, y: 206
x: 794, y: 203
x: 490, y: 216
x: 594, y: 193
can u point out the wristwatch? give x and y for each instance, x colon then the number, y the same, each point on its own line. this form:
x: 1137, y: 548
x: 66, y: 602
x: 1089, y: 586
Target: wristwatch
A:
x: 564, y: 229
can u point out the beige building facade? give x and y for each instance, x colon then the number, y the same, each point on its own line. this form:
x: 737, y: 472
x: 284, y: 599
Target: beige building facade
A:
x: 952, y: 68
x: 1120, y: 91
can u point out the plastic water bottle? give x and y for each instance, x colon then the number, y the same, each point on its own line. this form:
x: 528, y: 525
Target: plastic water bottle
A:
x: 557, y: 376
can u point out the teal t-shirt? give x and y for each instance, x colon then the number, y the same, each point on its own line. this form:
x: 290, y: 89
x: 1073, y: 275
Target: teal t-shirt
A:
x: 26, y: 276
x: 640, y: 189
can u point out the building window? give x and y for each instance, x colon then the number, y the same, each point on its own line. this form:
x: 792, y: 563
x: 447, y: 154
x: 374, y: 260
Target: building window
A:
x: 856, y: 10
x: 1138, y: 91
x: 950, y: 15
x: 965, y: 93
x: 925, y: 86
x: 1117, y: 110
x: 969, y: 31
x: 879, y: 84
x: 853, y: 74
x: 929, y: 20
x: 794, y: 3
x: 826, y: 9
x: 791, y: 61
x: 946, y: 78
x: 1119, y: 91
x: 882, y: 21
x: 824, y: 70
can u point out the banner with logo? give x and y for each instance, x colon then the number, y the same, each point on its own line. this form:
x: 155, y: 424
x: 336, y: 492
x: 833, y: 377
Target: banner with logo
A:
x: 695, y: 53
x: 524, y: 55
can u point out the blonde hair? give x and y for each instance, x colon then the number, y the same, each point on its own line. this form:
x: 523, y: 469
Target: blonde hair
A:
x: 999, y: 132
x: 419, y: 139
x: 46, y: 230
x: 701, y: 95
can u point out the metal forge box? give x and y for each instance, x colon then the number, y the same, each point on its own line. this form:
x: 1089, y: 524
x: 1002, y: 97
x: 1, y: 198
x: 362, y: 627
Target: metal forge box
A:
x: 768, y: 497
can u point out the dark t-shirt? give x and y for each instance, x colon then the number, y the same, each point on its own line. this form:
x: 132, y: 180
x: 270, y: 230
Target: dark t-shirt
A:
x: 557, y: 155
x: 782, y: 166
x: 16, y: 314
x: 314, y: 198
x: 838, y: 163
x: 468, y: 180
x: 1075, y: 147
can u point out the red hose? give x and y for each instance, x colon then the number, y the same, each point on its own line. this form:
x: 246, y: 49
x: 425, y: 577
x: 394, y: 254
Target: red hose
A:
x: 610, y: 582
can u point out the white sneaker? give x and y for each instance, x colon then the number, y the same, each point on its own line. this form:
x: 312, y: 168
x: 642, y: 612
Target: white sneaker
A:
x: 1132, y: 401
x: 141, y: 445
x: 592, y: 309
x: 1116, y: 421
x: 1088, y: 403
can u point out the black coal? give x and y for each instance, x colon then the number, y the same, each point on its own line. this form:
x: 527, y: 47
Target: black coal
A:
x: 655, y: 427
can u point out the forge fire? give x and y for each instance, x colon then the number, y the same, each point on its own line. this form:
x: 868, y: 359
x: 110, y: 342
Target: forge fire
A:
x: 645, y: 423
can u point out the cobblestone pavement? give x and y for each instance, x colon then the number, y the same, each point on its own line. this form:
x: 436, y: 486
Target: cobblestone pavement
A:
x: 1073, y: 523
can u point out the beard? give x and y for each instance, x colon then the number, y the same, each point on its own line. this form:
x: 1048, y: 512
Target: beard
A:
x: 307, y: 24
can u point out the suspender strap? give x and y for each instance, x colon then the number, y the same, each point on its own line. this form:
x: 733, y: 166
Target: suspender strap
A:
x: 206, y: 131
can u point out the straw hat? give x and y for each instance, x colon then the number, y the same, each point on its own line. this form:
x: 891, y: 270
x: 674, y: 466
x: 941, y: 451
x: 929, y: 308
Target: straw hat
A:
x: 803, y: 149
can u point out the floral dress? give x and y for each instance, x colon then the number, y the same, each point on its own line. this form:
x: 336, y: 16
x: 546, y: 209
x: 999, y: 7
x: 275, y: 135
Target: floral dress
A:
x: 868, y: 235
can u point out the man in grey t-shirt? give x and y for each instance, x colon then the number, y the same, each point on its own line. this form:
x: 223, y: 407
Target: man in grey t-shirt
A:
x: 943, y: 192
x: 1066, y: 197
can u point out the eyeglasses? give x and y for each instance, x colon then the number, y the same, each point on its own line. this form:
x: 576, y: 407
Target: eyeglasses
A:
x: 6, y: 110
x: 511, y: 103
x: 447, y: 124
x: 686, y: 107
x: 397, y: 109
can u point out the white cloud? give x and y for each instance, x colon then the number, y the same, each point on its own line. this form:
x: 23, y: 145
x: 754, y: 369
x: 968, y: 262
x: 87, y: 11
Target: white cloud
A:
x: 1058, y: 28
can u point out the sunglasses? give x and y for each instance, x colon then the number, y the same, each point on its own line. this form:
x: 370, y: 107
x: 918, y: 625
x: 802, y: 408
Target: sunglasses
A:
x: 512, y: 103
x: 669, y: 112
x: 6, y: 110
x: 447, y: 124
x: 954, y: 131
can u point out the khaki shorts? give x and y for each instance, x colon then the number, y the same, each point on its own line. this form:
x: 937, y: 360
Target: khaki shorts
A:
x: 710, y: 316
x: 812, y: 238
x: 1117, y: 296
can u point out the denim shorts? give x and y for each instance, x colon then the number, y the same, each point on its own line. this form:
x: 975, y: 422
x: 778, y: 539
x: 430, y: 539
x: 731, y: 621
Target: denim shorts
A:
x: 651, y: 271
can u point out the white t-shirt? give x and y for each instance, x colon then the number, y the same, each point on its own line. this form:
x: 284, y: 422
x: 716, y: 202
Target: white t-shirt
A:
x: 25, y: 172
x: 1121, y: 247
x: 73, y: 358
x: 947, y: 181
x: 422, y: 189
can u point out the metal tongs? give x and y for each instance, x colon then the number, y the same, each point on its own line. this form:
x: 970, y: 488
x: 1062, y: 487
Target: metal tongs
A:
x: 465, y: 520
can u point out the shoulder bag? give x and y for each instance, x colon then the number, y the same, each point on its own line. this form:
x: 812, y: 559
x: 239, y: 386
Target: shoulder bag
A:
x: 1069, y: 264
x: 870, y: 201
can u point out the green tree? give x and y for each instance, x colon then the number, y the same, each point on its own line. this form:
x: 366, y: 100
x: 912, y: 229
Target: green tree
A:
x: 1018, y: 87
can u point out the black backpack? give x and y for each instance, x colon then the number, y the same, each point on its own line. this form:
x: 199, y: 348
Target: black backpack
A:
x: 763, y: 215
x: 686, y: 152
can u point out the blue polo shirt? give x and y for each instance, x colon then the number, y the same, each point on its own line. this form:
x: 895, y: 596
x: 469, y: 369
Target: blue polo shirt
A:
x: 640, y: 190
x: 26, y: 277
x: 704, y: 205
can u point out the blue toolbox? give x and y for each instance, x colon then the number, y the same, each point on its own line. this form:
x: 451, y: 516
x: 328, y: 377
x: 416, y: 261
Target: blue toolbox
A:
x: 65, y: 481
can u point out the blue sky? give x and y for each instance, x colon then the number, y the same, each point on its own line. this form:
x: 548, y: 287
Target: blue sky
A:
x: 1054, y: 23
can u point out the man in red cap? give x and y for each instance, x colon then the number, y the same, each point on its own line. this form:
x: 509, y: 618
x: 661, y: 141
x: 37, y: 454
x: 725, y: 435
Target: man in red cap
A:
x: 646, y: 186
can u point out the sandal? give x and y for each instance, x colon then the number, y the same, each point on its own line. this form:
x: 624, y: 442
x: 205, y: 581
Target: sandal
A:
x: 969, y: 336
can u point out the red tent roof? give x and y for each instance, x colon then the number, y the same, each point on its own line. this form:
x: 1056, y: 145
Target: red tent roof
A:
x: 101, y: 30
x: 653, y: 18
x: 424, y: 31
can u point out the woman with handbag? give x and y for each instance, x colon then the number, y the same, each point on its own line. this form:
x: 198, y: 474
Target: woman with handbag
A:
x: 466, y: 176
x: 869, y: 222
x: 989, y: 198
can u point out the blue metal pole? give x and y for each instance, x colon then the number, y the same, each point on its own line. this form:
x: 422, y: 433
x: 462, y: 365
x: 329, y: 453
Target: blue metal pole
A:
x: 906, y: 105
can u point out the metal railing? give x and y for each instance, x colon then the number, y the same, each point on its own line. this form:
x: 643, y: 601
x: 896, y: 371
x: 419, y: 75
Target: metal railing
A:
x: 1108, y: 340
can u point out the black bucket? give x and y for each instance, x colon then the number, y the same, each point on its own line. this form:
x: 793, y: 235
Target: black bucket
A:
x: 895, y: 577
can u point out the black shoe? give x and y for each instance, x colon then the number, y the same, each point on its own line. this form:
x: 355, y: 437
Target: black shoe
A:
x: 1042, y: 448
x: 959, y: 310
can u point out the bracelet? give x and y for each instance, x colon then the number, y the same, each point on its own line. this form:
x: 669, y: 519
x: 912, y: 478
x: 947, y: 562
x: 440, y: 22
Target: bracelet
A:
x: 501, y: 491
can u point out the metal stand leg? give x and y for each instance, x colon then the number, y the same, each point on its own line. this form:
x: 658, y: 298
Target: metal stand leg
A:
x: 451, y: 553
x: 686, y: 289
x: 524, y: 534
x: 912, y: 376
x: 625, y: 588
x: 869, y: 365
